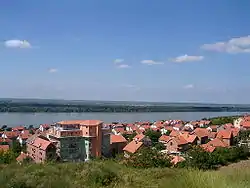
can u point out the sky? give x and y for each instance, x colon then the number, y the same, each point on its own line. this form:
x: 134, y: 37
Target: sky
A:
x: 133, y: 50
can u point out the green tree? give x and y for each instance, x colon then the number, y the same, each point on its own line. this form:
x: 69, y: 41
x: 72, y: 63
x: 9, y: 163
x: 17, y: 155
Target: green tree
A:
x: 160, y: 146
x: 153, y: 135
x: 16, y: 148
x: 148, y: 158
x: 129, y: 137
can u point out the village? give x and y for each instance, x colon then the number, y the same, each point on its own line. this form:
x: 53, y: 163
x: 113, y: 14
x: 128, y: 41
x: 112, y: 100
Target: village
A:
x: 83, y: 140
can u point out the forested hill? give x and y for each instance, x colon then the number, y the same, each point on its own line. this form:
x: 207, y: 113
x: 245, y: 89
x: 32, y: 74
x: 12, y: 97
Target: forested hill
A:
x: 19, y: 105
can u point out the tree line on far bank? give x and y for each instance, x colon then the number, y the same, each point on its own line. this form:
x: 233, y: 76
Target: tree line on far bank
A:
x: 74, y: 108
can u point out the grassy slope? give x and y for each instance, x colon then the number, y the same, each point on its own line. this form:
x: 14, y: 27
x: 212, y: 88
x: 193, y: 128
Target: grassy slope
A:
x: 96, y: 174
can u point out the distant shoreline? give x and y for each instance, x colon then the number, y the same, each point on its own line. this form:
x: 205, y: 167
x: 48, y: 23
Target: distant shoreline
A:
x: 28, y: 107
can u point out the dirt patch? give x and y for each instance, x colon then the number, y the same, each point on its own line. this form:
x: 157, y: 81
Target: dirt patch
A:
x: 239, y: 165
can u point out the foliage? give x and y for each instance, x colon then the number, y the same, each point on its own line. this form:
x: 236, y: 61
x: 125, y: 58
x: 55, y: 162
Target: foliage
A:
x: 148, y: 158
x: 109, y: 174
x: 223, y: 120
x: 201, y: 159
x: 7, y: 157
x: 129, y: 137
x: 160, y: 146
x: 16, y: 147
x: 153, y: 135
x: 10, y: 106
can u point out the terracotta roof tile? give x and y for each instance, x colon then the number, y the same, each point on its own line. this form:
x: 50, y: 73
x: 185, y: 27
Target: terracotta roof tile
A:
x: 40, y: 143
x: 217, y: 143
x: 81, y: 122
x: 164, y: 138
x: 117, y: 139
x: 132, y: 146
x: 177, y: 159
x: 208, y: 148
x: 4, y: 147
x: 201, y: 132
x: 224, y: 134
x: 21, y: 157
x: 139, y: 137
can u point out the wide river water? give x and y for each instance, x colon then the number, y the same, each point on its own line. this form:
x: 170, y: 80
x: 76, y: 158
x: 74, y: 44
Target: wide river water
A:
x: 14, y: 119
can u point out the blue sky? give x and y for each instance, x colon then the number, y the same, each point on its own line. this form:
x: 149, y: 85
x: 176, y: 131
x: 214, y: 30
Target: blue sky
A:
x: 173, y: 51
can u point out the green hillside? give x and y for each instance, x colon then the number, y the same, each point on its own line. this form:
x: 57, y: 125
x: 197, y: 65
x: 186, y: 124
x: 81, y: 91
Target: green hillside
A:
x: 110, y: 174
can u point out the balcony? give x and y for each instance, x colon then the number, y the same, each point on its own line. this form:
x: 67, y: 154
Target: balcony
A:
x: 65, y: 133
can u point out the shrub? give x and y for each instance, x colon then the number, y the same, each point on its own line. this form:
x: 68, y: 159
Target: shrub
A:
x: 148, y: 158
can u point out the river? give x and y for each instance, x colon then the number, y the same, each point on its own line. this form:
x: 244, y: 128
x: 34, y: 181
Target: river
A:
x: 14, y: 119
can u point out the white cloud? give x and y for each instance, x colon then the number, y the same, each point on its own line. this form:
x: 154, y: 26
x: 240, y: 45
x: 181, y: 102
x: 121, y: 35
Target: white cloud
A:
x: 17, y: 44
x: 123, y: 66
x: 234, y: 45
x: 52, y: 70
x: 189, y: 86
x: 151, y: 62
x: 134, y: 87
x: 187, y: 58
x: 116, y: 61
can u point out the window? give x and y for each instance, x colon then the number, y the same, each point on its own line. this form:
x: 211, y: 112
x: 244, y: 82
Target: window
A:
x: 171, y: 143
x: 40, y: 153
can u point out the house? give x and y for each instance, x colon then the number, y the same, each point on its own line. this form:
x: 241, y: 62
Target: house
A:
x: 217, y: 143
x: 189, y: 127
x: 132, y: 147
x: 4, y: 148
x: 40, y: 149
x: 191, y: 139
x: 118, y: 130
x: 19, y: 128
x: 176, y: 144
x: 202, y: 135
x: 177, y: 159
x: 208, y: 147
x: 178, y: 126
x: 22, y: 157
x: 117, y: 143
x: 226, y: 136
x: 142, y: 138
x: 44, y: 127
x: 10, y: 134
x: 23, y: 137
x: 5, y: 141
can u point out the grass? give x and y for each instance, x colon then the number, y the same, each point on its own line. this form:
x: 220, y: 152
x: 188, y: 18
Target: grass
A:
x: 110, y: 174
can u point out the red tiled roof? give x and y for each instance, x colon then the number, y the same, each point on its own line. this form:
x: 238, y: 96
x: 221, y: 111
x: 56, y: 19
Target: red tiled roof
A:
x: 188, y: 137
x: 245, y: 124
x: 177, y: 159
x: 180, y: 140
x: 225, y: 134
x: 217, y: 143
x: 117, y: 139
x: 132, y: 146
x: 208, y: 147
x: 19, y: 128
x: 164, y: 138
x: 119, y: 130
x: 41, y: 143
x: 4, y: 147
x: 5, y: 140
x: 25, y: 136
x: 201, y: 132
x: 174, y: 133
x: 139, y: 137
x: 11, y: 134
x: 21, y: 157
x: 81, y: 122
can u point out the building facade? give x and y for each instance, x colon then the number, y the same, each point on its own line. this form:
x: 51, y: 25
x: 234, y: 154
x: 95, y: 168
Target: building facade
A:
x: 80, y: 140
